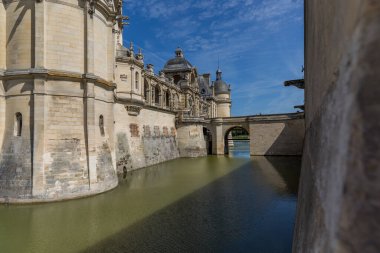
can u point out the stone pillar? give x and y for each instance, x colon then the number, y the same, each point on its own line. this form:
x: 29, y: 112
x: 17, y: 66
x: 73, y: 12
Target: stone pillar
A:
x: 38, y: 102
x: 218, y: 144
x: 252, y: 138
x: 153, y: 95
x: 160, y: 97
x: 38, y: 116
x: 91, y: 131
x: 89, y: 44
x: 149, y: 95
x: 39, y: 36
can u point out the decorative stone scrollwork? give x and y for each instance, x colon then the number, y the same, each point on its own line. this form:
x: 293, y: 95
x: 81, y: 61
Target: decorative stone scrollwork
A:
x: 91, y: 9
x: 205, y: 109
x: 133, y: 110
x: 109, y: 3
x: 123, y: 77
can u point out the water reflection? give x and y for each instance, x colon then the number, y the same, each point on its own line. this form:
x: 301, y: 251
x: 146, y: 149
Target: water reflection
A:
x: 239, y: 148
x: 213, y: 204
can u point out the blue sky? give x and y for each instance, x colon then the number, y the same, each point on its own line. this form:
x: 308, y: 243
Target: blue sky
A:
x: 259, y: 44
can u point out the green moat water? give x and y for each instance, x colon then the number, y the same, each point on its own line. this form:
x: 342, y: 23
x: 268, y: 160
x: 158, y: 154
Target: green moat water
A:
x: 213, y: 204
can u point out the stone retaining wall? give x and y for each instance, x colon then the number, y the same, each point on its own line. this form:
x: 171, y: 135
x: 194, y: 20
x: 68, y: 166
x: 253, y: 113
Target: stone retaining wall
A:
x: 338, y: 208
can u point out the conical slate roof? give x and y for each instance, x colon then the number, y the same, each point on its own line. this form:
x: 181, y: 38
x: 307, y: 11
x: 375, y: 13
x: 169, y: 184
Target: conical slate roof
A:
x: 220, y: 87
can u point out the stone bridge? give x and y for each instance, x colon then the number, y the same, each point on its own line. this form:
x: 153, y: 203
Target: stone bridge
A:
x: 275, y: 134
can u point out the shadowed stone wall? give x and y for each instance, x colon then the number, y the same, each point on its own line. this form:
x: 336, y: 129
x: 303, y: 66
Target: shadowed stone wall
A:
x: 339, y: 207
x: 281, y: 138
x: 15, y: 155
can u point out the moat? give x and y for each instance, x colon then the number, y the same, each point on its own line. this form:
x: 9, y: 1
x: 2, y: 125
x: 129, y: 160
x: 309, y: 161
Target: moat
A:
x: 214, y: 204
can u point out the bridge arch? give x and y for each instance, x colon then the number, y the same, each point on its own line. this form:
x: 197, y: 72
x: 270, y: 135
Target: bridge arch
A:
x: 236, y: 135
x: 208, y: 137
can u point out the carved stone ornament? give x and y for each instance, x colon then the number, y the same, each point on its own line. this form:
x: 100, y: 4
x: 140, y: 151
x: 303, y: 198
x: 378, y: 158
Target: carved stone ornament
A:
x: 91, y: 9
x: 123, y: 77
x: 133, y: 110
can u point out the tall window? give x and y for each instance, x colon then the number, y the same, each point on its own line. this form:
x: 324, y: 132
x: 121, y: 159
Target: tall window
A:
x: 157, y: 95
x: 101, y: 125
x: 146, y: 90
x: 18, y: 124
x: 137, y: 80
x: 167, y: 99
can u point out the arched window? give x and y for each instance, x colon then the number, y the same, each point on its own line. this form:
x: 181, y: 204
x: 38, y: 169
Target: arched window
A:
x: 137, y: 80
x: 176, y: 78
x: 101, y: 125
x: 18, y: 124
x: 146, y: 90
x: 167, y: 98
x: 157, y: 95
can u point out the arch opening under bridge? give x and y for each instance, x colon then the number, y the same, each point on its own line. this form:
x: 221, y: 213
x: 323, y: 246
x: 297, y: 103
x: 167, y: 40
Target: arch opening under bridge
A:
x: 208, y: 140
x: 236, y: 140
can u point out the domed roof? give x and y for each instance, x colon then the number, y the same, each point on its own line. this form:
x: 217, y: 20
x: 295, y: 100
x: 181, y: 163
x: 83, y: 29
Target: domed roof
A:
x: 179, y: 63
x: 220, y: 87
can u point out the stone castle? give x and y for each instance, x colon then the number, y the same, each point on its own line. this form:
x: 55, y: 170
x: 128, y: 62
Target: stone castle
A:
x: 77, y: 108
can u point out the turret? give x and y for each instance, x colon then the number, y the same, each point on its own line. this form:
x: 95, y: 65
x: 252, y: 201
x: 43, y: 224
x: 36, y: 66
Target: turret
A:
x: 222, y: 93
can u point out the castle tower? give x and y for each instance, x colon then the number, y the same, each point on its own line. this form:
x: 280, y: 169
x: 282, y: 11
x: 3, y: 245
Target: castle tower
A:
x: 222, y: 94
x: 56, y: 98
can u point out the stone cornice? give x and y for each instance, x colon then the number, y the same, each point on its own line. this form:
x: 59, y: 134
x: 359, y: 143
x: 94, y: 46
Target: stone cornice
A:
x: 130, y: 101
x: 180, y: 121
x: 130, y: 60
x: 261, y: 118
x: 53, y: 74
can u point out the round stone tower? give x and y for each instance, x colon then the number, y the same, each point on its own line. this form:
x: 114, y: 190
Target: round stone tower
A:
x: 56, y: 93
x: 222, y: 94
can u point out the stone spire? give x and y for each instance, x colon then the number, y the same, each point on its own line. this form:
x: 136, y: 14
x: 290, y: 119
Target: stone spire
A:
x: 218, y: 74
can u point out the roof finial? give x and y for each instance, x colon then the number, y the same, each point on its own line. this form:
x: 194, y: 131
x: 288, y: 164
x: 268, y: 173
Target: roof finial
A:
x: 218, y: 62
x: 178, y: 52
x: 218, y: 72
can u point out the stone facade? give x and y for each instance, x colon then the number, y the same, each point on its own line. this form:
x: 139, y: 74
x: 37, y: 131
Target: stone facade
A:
x: 78, y: 109
x: 338, y: 208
